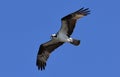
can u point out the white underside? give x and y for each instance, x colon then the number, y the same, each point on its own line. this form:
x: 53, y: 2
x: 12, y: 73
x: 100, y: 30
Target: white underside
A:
x: 63, y: 38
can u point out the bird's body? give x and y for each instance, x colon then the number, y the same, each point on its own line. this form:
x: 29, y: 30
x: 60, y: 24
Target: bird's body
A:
x: 62, y: 36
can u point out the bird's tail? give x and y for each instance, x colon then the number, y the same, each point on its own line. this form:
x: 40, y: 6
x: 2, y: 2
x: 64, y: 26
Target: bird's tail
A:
x: 75, y: 42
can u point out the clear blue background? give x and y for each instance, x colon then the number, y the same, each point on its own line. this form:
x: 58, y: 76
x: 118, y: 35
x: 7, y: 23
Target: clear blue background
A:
x: 25, y: 24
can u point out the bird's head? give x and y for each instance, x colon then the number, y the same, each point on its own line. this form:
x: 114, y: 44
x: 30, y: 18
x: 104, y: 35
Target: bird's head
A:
x: 53, y: 35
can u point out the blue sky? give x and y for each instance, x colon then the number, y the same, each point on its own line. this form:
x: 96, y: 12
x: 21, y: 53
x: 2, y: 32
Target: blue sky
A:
x: 25, y: 24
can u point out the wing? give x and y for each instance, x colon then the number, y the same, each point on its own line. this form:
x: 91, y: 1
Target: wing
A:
x: 44, y: 52
x: 69, y: 21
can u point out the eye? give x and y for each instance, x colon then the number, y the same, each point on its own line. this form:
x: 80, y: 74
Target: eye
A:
x: 55, y: 36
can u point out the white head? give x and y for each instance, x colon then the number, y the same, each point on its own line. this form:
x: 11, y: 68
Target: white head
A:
x: 53, y: 35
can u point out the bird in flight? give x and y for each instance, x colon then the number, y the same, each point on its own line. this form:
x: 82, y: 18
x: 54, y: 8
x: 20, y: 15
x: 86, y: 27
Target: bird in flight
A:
x: 61, y: 37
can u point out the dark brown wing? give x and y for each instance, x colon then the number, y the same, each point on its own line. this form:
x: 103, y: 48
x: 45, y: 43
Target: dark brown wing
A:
x: 69, y: 21
x: 44, y: 52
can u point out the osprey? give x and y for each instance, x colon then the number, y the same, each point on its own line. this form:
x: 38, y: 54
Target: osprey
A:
x: 62, y: 36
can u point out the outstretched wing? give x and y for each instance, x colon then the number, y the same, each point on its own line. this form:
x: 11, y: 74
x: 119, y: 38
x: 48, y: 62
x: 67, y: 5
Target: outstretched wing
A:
x: 44, y: 52
x: 69, y: 21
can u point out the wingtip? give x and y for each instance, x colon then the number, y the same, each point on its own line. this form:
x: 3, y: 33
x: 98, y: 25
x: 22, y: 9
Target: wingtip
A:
x: 41, y: 68
x: 41, y: 65
x: 84, y: 11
